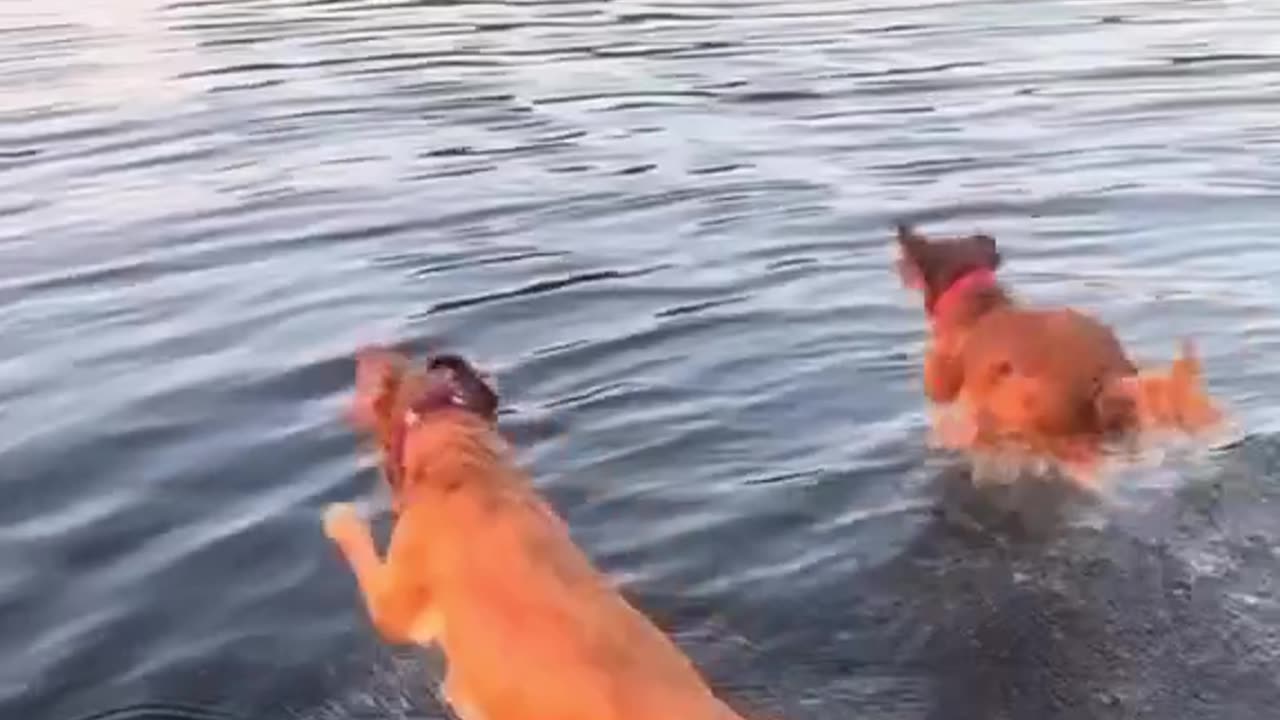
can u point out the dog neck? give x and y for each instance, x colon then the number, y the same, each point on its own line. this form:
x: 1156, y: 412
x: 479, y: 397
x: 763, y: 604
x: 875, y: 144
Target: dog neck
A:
x: 442, y: 450
x: 439, y: 403
x: 947, y: 306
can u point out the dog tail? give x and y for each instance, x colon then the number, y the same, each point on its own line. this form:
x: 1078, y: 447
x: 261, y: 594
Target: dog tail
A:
x: 1174, y: 398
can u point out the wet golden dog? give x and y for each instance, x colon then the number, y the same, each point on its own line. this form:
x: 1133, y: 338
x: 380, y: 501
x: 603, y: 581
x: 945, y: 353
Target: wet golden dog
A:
x: 479, y: 564
x: 1053, y: 381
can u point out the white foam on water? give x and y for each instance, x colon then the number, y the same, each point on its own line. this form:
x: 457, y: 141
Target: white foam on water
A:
x: 401, y: 686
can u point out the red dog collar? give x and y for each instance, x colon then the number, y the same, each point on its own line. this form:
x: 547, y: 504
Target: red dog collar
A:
x: 972, y: 281
x: 441, y: 395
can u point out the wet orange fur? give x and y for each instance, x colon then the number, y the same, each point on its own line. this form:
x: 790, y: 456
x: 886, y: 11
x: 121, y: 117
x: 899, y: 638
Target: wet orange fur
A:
x: 1053, y: 381
x: 479, y: 564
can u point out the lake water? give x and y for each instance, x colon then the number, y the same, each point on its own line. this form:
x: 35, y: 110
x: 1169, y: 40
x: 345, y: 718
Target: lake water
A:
x: 665, y: 226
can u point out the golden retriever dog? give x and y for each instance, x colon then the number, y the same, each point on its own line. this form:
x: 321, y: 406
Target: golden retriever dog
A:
x: 479, y: 564
x: 1053, y: 381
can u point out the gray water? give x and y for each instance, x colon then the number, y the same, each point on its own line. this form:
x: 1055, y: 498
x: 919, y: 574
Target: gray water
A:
x: 665, y: 227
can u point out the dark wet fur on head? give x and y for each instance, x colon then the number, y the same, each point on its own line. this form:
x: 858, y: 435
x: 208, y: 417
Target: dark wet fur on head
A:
x: 467, y: 385
x: 935, y: 265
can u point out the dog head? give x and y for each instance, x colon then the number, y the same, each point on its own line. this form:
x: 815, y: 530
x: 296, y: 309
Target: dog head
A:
x: 934, y: 266
x: 391, y: 395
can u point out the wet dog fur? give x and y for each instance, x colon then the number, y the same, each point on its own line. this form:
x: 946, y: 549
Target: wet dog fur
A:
x: 1053, y: 381
x: 481, y: 566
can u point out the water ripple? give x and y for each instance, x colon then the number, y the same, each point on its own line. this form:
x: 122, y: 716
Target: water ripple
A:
x: 664, y: 223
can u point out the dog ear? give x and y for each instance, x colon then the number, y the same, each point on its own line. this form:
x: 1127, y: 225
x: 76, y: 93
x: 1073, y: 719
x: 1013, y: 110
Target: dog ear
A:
x: 909, y: 240
x: 990, y: 254
x: 912, y: 252
x: 380, y: 373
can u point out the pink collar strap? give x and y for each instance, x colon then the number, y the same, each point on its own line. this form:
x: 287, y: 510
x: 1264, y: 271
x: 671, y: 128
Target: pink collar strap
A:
x: 972, y: 281
x: 436, y: 397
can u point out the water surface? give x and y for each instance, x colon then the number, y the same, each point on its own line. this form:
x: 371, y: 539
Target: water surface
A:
x: 665, y: 226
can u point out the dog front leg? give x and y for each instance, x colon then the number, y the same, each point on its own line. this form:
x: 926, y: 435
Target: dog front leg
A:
x: 943, y: 376
x: 393, y: 606
x: 953, y: 428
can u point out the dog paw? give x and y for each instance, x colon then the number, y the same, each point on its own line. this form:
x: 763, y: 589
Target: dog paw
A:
x: 342, y: 522
x: 953, y: 431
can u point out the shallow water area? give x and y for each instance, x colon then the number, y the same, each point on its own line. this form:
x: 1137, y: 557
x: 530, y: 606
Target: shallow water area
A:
x: 666, y: 227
